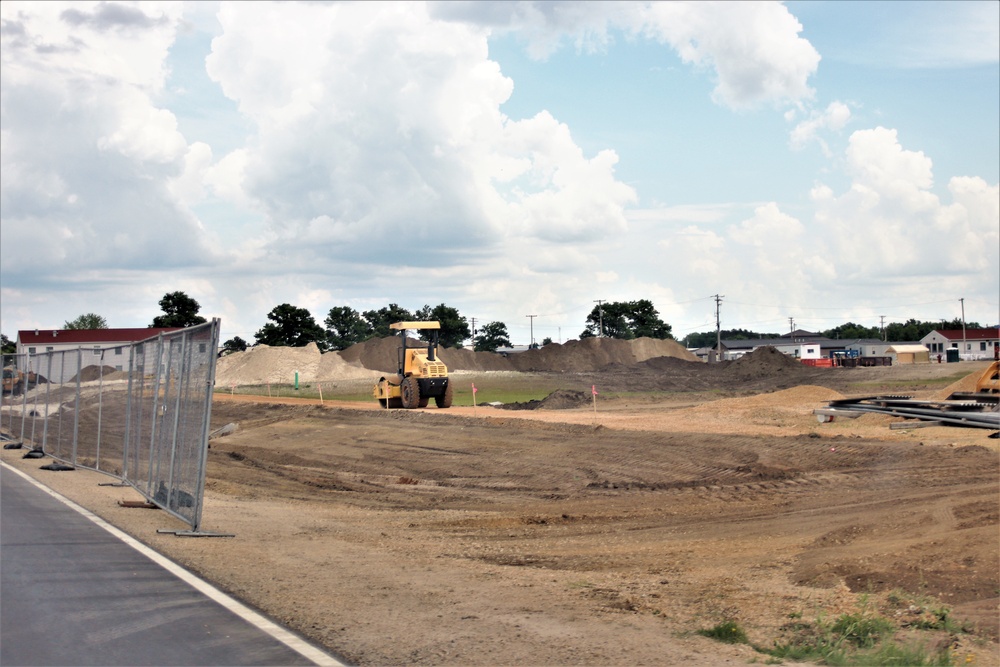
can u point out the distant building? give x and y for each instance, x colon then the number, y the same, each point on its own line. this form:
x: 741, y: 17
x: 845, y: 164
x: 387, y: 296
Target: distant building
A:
x: 106, y: 347
x: 798, y: 344
x: 972, y: 344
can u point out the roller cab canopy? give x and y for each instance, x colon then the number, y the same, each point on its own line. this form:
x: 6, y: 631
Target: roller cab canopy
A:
x: 415, y: 325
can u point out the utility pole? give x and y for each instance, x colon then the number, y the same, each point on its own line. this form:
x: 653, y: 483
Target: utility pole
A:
x: 473, y: 331
x: 964, y: 345
x: 531, y: 318
x: 718, y: 327
x: 791, y: 325
x: 882, y: 326
x: 600, y: 315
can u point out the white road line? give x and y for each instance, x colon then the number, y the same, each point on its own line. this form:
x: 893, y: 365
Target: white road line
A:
x: 249, y: 615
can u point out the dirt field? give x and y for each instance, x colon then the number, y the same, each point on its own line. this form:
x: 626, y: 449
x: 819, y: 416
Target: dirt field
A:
x: 579, y: 537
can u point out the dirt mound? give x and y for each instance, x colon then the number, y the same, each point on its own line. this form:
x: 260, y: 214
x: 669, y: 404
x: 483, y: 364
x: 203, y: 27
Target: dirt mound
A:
x: 591, y: 354
x: 673, y: 364
x: 382, y: 354
x: 467, y: 360
x: 576, y: 356
x: 566, y: 399
x: 92, y: 373
x: 561, y: 399
x: 377, y: 354
x: 263, y: 364
x: 762, y: 362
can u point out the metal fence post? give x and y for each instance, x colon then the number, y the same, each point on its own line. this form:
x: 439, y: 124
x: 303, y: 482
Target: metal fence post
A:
x: 76, y: 404
x: 48, y: 393
x: 206, y: 422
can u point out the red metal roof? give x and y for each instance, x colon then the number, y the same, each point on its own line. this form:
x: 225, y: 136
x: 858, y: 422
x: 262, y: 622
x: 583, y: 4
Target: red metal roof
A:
x: 88, y: 336
x: 970, y: 334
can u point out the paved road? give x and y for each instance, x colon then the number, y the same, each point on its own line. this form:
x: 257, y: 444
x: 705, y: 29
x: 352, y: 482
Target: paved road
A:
x: 73, y: 593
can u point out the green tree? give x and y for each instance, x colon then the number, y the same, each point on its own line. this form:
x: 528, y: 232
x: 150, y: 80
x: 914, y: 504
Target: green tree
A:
x: 87, y: 321
x: 851, y: 331
x: 380, y: 319
x: 291, y: 327
x: 491, y: 337
x: 179, y: 310
x: 626, y: 320
x: 454, y: 328
x: 345, y: 327
x: 7, y: 346
x: 234, y: 344
x: 546, y: 341
x: 707, y: 338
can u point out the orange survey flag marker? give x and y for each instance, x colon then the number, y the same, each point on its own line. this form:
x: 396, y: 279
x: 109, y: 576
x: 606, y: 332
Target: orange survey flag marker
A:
x: 474, y: 390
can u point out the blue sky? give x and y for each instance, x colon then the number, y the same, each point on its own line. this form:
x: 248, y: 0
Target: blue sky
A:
x: 820, y: 161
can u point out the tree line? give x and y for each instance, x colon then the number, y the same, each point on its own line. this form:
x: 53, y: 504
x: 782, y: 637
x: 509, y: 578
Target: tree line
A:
x: 344, y: 326
x: 910, y: 330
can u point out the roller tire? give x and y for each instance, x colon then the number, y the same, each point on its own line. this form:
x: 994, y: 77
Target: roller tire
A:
x: 444, y: 400
x: 409, y: 393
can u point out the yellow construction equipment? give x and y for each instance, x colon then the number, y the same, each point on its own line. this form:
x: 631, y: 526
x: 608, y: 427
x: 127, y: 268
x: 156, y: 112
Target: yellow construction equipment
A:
x: 420, y: 375
x: 989, y: 381
x: 13, y: 380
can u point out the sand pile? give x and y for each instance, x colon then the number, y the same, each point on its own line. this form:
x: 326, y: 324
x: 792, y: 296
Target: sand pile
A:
x: 779, y: 409
x: 965, y: 385
x: 263, y: 364
x: 804, y: 397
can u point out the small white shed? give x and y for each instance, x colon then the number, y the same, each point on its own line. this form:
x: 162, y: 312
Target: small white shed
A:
x: 909, y: 354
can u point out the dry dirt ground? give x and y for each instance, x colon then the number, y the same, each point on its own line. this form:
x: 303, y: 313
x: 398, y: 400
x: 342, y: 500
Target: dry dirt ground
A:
x: 594, y: 537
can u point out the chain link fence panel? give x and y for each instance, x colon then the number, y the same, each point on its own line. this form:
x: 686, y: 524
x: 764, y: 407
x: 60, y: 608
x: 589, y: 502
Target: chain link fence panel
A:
x: 146, y: 425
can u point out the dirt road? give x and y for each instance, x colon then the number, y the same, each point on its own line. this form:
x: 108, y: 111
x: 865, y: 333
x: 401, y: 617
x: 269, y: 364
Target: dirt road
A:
x: 554, y: 537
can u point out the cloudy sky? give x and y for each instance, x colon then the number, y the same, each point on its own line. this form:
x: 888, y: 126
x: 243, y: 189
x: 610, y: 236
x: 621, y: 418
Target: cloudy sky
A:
x: 812, y: 163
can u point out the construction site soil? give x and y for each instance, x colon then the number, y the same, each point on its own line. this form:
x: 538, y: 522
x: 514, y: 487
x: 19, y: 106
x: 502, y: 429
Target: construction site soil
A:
x: 592, y: 530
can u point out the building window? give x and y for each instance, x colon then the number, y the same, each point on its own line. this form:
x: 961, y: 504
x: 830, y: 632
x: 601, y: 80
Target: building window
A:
x: 31, y: 350
x: 97, y: 350
x: 982, y: 346
x: 118, y: 367
x: 201, y: 348
x: 49, y: 348
x: 118, y: 352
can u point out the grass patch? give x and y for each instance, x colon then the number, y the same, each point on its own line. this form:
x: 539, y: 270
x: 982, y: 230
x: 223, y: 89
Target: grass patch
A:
x: 863, y: 639
x: 887, y: 386
x: 854, y: 639
x: 489, y: 390
x: 728, y: 632
x: 923, y: 612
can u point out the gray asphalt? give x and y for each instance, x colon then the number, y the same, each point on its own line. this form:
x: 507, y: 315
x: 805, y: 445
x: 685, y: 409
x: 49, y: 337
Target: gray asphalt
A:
x: 71, y: 593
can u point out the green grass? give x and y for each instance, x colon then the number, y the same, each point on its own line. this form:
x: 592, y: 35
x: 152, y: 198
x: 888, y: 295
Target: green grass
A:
x: 907, y: 385
x: 851, y: 639
x: 489, y: 390
x: 727, y: 631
